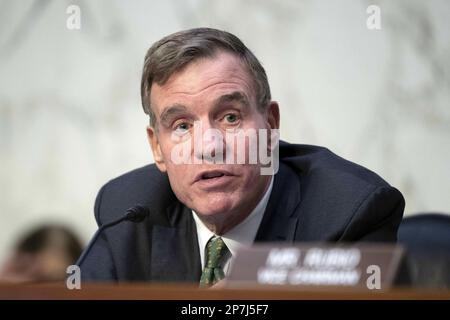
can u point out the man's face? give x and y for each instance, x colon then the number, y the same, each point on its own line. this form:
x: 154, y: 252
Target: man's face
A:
x: 217, y: 94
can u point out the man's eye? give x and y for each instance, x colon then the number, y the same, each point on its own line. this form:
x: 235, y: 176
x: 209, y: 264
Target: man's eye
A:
x: 231, y: 118
x: 182, y: 127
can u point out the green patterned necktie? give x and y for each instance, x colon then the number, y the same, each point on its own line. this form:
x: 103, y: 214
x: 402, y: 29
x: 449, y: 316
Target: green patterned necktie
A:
x: 213, y: 272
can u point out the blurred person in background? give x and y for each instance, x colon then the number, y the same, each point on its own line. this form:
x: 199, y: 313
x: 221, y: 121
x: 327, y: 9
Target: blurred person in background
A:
x: 42, y: 255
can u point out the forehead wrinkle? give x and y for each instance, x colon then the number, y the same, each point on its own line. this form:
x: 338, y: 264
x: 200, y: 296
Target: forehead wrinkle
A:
x: 194, y: 82
x: 216, y: 83
x: 235, y: 96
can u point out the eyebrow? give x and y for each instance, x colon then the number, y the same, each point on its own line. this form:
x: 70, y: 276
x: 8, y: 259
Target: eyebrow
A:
x: 236, y: 96
x: 172, y: 111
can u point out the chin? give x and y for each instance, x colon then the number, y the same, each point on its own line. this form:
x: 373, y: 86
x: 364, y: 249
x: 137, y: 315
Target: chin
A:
x: 214, y: 206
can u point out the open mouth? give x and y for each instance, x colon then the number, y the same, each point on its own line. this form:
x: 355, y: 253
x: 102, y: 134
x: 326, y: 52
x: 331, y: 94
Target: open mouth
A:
x: 214, y: 180
x: 212, y: 175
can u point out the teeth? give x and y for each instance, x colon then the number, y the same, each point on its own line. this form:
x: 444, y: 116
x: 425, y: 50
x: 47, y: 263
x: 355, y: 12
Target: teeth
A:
x: 212, y: 175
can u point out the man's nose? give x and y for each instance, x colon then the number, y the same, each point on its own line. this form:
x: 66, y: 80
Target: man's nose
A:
x: 209, y: 142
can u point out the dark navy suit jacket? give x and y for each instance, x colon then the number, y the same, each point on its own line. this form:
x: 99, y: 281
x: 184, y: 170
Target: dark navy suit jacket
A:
x: 316, y: 196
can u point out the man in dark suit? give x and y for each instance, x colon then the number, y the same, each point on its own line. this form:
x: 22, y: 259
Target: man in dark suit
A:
x: 206, y: 82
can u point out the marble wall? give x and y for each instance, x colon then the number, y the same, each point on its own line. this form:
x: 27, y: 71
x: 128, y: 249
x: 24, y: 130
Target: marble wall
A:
x: 70, y: 114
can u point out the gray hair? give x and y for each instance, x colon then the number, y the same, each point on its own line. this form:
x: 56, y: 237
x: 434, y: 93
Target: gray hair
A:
x: 175, y: 51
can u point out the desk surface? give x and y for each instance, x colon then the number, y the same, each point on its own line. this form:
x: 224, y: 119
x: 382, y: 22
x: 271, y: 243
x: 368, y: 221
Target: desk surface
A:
x: 143, y: 291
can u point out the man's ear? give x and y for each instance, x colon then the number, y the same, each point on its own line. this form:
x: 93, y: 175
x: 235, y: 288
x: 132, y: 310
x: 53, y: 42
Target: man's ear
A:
x: 156, y: 148
x: 273, y: 115
x: 273, y: 122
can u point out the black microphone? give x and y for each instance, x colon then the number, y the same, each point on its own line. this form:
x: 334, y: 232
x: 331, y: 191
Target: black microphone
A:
x: 134, y: 214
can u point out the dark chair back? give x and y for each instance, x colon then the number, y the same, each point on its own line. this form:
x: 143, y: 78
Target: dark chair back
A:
x: 426, y: 237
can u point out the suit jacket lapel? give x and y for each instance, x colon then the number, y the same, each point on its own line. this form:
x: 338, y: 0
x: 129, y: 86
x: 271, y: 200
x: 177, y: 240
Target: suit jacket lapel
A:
x: 175, y: 253
x: 281, y: 216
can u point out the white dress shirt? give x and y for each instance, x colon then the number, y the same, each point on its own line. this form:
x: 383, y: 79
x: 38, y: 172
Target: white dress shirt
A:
x: 241, y: 235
